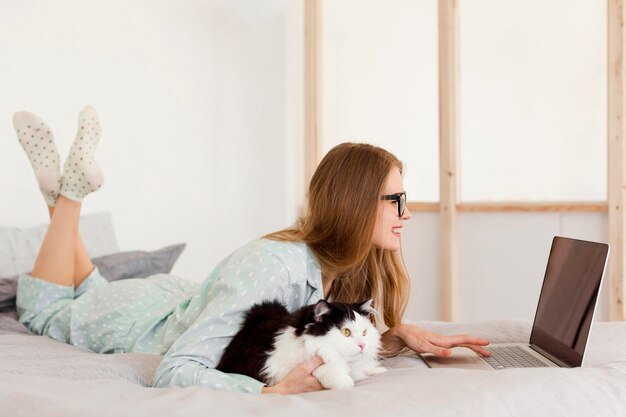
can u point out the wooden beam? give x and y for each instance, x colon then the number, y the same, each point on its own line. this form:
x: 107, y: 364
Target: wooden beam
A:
x: 312, y: 87
x: 448, y: 144
x: 423, y: 207
x: 533, y: 207
x: 513, y: 206
x: 616, y: 157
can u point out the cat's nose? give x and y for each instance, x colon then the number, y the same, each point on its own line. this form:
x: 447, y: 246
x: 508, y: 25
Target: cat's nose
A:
x: 361, y: 345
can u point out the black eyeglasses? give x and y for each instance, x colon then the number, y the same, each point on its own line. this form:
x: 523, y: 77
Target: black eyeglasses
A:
x: 399, y: 198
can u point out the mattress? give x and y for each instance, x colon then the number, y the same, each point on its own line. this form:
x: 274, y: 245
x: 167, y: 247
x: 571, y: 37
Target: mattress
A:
x: 42, y: 377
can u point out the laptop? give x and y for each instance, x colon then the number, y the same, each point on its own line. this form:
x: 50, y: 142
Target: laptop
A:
x: 563, y: 319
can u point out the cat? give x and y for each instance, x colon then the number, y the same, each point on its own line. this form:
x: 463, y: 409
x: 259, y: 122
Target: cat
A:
x: 272, y: 341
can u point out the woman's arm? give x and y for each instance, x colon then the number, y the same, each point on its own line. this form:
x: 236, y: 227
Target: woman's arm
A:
x: 185, y: 372
x: 423, y: 341
x: 220, y: 304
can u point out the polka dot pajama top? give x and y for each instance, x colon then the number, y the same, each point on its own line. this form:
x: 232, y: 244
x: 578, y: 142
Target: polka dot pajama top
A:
x: 163, y: 314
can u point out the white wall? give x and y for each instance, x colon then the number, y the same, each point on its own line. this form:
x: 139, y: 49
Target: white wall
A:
x: 533, y: 101
x: 533, y: 79
x: 379, y: 83
x: 200, y: 106
x: 502, y: 261
x: 532, y: 128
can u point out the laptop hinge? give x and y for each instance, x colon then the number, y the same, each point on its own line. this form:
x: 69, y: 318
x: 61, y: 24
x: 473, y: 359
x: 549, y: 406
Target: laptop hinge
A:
x: 549, y: 356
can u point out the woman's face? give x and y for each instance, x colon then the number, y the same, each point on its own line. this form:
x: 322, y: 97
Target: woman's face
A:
x: 388, y: 226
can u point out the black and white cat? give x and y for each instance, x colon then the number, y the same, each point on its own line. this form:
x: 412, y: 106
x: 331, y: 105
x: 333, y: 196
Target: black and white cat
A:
x: 272, y: 341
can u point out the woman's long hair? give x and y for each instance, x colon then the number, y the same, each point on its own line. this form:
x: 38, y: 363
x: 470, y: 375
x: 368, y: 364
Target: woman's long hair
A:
x: 343, y: 202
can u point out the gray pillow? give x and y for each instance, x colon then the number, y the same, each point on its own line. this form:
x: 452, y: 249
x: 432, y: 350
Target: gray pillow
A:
x: 138, y: 264
x: 9, y: 323
x: 122, y: 265
x: 8, y: 288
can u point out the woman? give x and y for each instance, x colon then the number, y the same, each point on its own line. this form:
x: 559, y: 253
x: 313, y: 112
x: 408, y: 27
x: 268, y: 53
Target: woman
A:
x: 345, y: 249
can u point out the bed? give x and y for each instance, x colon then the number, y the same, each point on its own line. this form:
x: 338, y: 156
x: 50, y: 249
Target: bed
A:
x: 42, y: 377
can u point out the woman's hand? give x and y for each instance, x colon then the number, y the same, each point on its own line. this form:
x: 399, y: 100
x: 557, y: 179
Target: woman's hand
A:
x: 423, y: 341
x: 300, y: 379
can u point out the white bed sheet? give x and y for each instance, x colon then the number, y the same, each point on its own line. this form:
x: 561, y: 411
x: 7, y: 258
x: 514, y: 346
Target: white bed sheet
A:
x: 41, y: 377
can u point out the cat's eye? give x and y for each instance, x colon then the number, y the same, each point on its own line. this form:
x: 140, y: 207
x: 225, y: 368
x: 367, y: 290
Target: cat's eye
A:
x: 346, y: 332
x: 365, y: 332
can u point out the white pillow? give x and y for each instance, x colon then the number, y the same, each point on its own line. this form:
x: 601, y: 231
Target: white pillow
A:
x: 19, y: 247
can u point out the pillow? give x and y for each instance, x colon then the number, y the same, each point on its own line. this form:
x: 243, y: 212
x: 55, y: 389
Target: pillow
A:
x: 122, y: 265
x: 138, y: 264
x: 19, y: 247
x: 9, y: 323
x: 8, y: 289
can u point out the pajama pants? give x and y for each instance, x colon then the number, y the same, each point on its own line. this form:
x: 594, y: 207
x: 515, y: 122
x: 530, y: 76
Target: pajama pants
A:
x: 132, y: 315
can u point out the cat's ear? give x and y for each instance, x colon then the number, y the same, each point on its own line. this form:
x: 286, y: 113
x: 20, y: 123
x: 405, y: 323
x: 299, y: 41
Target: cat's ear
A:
x: 366, y: 306
x: 321, y: 309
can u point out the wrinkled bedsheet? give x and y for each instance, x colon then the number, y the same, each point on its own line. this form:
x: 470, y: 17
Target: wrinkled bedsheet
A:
x: 42, y: 377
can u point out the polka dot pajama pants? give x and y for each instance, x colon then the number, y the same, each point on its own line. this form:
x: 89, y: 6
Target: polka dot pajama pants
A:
x: 132, y: 315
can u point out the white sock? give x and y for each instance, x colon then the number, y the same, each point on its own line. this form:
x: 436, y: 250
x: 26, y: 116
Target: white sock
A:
x: 38, y: 141
x: 81, y: 174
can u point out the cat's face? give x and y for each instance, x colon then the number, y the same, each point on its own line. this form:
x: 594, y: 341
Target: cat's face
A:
x: 346, y: 328
x: 356, y: 337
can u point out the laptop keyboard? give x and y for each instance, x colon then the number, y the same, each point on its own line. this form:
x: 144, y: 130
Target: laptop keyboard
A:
x: 512, y: 357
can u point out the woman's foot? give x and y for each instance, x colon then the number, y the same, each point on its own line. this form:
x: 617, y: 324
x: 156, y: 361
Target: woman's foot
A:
x: 38, y: 141
x: 81, y: 174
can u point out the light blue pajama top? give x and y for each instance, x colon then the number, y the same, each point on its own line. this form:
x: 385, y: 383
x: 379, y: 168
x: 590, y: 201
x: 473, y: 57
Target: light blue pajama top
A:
x: 192, y: 324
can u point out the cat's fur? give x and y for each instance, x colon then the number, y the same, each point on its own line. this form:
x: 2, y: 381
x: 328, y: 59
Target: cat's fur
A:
x: 272, y: 341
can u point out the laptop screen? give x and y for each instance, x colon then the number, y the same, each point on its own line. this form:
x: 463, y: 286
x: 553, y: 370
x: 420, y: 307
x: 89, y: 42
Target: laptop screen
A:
x: 568, y: 298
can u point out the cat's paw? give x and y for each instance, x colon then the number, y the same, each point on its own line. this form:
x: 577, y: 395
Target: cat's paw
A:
x: 333, y: 379
x: 375, y: 370
x: 339, y: 381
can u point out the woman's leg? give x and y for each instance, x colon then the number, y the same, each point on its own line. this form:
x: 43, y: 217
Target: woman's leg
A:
x: 82, y: 263
x: 62, y: 258
x: 56, y: 259
x: 45, y: 302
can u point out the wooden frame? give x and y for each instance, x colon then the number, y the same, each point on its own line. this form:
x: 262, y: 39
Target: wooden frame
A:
x: 616, y: 157
x: 449, y: 207
x: 448, y: 165
x: 312, y: 87
x: 514, y: 207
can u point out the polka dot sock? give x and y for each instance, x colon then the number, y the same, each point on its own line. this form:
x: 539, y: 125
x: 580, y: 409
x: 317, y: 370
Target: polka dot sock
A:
x: 38, y: 141
x: 81, y: 174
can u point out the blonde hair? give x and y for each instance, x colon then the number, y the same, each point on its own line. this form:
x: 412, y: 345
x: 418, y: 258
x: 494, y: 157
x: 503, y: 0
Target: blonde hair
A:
x: 342, y: 208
